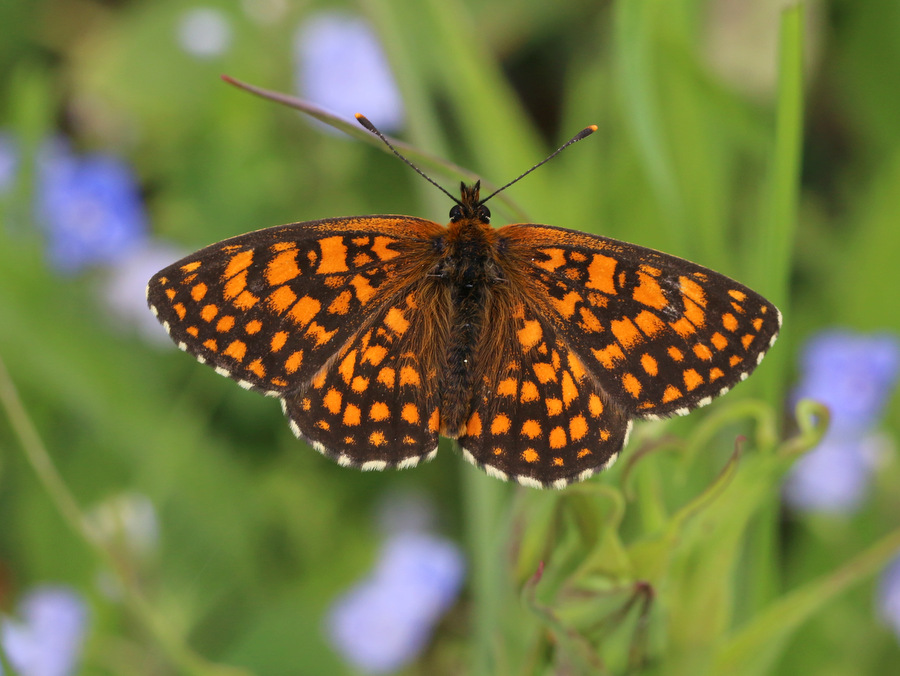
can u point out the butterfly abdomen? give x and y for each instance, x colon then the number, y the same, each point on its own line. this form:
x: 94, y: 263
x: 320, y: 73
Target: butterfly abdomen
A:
x: 467, y: 268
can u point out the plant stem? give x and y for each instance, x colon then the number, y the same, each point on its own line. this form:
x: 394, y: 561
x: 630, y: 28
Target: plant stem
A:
x: 49, y: 477
x: 485, y: 499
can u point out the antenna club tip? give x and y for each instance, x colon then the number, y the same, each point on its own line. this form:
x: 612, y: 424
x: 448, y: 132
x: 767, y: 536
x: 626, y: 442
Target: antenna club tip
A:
x: 364, y: 121
x: 587, y: 131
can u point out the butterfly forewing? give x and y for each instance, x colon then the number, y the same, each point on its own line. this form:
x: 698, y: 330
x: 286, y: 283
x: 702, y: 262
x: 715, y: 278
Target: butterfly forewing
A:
x: 271, y: 307
x: 661, y: 335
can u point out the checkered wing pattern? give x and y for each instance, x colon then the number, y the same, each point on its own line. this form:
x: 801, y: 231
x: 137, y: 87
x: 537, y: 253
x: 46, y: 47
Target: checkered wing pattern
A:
x: 283, y: 309
x: 376, y: 404
x: 538, y: 416
x: 660, y: 335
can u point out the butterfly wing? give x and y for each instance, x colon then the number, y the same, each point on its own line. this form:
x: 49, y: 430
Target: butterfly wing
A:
x: 376, y: 404
x: 292, y: 311
x: 269, y: 308
x: 659, y: 334
x: 538, y: 416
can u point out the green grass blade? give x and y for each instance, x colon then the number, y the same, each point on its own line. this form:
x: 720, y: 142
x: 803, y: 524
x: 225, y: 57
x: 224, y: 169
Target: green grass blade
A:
x: 636, y: 81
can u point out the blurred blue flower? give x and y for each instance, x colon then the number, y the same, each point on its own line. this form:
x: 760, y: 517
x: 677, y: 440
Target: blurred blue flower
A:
x: 384, y: 622
x: 9, y: 161
x: 405, y: 511
x: 888, y: 596
x: 854, y: 375
x: 124, y: 289
x: 48, y: 639
x: 204, y: 32
x: 89, y: 206
x: 834, y: 476
x: 428, y: 567
x: 341, y: 66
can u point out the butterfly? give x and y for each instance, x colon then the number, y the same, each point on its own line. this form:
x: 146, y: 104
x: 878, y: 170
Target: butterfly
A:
x: 534, y: 346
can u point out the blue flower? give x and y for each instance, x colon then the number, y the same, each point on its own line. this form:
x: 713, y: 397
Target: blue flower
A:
x: 888, y: 596
x: 9, y: 161
x: 124, y: 290
x: 834, y: 477
x: 426, y: 566
x: 854, y: 376
x: 48, y: 640
x: 385, y: 622
x: 341, y: 67
x: 89, y: 207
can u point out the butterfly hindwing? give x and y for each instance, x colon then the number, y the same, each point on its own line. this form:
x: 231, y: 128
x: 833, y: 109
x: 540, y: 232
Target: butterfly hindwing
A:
x: 660, y: 334
x: 538, y: 417
x: 376, y: 404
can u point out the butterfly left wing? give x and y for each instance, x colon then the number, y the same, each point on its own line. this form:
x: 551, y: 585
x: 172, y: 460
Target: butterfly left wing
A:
x: 271, y: 307
x: 660, y: 335
x: 376, y: 404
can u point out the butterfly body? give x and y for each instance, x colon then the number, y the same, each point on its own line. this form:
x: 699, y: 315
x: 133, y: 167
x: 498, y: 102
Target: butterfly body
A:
x: 469, y: 270
x: 534, y: 346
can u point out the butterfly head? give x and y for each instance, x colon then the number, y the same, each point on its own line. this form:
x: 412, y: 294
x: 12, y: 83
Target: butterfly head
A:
x: 469, y: 205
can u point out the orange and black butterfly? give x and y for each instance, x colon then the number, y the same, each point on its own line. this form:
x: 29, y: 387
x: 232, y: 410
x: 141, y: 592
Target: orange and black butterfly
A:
x: 535, y: 347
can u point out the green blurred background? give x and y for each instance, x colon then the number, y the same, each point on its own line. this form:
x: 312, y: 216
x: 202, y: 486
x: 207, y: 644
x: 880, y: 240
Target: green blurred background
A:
x: 247, y: 536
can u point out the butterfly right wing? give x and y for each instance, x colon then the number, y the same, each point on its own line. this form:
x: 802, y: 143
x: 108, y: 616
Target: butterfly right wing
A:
x: 538, y: 417
x: 660, y: 334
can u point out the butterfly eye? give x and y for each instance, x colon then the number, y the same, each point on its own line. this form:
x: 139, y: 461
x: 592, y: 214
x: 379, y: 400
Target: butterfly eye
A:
x: 456, y: 213
x: 484, y: 214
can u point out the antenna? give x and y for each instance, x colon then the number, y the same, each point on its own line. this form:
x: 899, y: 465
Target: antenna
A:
x: 584, y: 133
x: 364, y: 121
